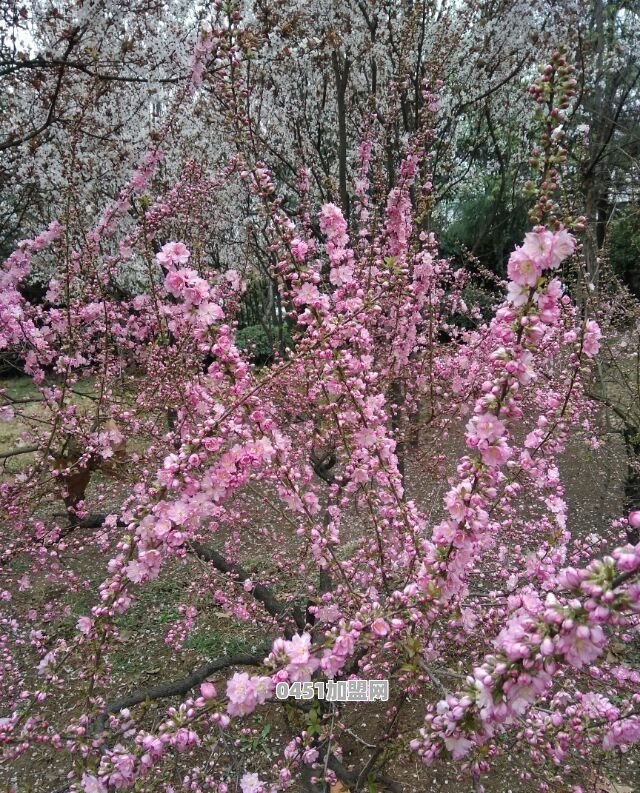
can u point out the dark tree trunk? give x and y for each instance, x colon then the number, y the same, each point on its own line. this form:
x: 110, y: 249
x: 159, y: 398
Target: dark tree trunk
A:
x: 341, y: 68
x: 632, y: 481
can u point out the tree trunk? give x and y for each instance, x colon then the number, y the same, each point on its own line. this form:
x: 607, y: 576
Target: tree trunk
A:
x: 632, y: 481
x: 341, y: 68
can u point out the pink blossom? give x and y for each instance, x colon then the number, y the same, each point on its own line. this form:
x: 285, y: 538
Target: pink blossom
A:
x: 208, y: 313
x: 563, y: 246
x: 333, y: 224
x: 592, y: 336
x: 241, y: 695
x: 208, y: 690
x: 380, y: 627
x: 548, y: 302
x: 523, y: 270
x: 623, y: 733
x: 582, y: 645
x: 496, y: 454
x: 330, y: 613
x: 455, y: 502
x: 366, y: 437
x: 24, y: 583
x: 308, y: 293
x: 84, y: 625
x: 341, y: 275
x: 6, y: 413
x: 301, y: 673
x: 627, y: 558
x: 634, y: 519
x: 91, y: 784
x: 196, y: 291
x: 312, y: 503
x: 292, y: 750
x: 184, y: 739
x: 517, y: 294
x: 263, y: 688
x: 146, y: 567
x: 123, y: 773
x: 233, y: 279
x: 298, y: 648
x: 299, y: 249
x: 523, y: 692
x: 250, y: 783
x: 538, y: 245
x: 175, y: 281
x: 486, y: 427
x: 459, y: 746
x: 310, y: 756
x: 173, y: 253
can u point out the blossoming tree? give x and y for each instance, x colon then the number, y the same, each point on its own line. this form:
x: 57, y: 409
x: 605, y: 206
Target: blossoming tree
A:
x: 283, y: 497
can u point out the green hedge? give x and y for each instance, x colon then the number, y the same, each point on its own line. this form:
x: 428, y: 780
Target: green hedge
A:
x: 262, y: 347
x: 624, y: 249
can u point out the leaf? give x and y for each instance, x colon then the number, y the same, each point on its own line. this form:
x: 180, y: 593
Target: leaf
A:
x: 338, y: 788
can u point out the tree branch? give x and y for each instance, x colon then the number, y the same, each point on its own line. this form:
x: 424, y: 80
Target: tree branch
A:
x: 352, y: 777
x: 261, y: 593
x: 176, y: 688
x: 16, y: 452
x: 73, y: 40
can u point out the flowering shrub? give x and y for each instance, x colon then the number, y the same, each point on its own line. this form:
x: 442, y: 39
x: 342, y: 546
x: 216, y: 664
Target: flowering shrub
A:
x: 355, y: 577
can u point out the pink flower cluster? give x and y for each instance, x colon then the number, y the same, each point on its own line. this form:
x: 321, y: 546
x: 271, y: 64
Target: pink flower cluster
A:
x: 295, y: 657
x: 537, y: 639
x: 622, y: 734
x: 542, y: 250
x: 200, y: 55
x: 200, y: 301
x: 246, y: 692
x: 173, y: 254
x: 334, y: 226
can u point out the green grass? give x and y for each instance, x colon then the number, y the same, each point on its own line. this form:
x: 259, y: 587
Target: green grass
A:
x: 19, y: 387
x: 212, y: 644
x: 30, y: 415
x: 10, y: 431
x: 80, y: 604
x: 156, y: 608
x: 155, y: 603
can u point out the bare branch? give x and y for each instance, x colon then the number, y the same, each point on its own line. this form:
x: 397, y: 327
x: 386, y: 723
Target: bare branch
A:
x: 16, y: 452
